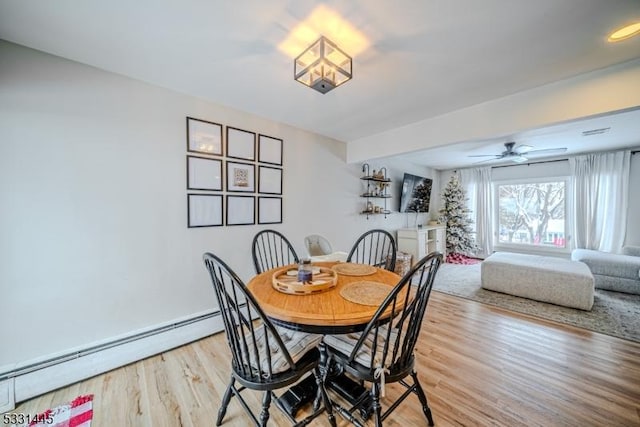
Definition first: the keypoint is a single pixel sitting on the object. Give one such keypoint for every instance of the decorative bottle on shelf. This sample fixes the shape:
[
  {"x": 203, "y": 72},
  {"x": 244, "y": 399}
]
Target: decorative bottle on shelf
[{"x": 305, "y": 271}]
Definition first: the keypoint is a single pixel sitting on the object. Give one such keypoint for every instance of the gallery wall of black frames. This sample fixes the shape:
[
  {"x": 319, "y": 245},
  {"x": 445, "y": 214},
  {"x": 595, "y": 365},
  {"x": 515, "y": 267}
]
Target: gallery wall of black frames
[{"x": 234, "y": 176}]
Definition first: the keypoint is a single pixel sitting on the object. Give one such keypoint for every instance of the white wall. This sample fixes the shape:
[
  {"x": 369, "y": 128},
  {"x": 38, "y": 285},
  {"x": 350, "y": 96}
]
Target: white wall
[
  {"x": 599, "y": 92},
  {"x": 93, "y": 221}
]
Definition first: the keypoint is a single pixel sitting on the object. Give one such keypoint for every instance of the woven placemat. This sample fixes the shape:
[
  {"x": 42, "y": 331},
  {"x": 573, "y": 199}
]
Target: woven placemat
[
  {"x": 352, "y": 269},
  {"x": 366, "y": 292}
]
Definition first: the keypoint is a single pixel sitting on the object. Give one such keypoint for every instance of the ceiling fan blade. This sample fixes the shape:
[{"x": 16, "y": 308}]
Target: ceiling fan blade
[
  {"x": 521, "y": 149},
  {"x": 547, "y": 151},
  {"x": 518, "y": 159},
  {"x": 485, "y": 161},
  {"x": 486, "y": 155}
]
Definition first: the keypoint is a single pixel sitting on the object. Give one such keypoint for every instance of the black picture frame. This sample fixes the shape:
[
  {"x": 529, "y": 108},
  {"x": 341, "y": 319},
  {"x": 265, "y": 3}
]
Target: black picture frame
[
  {"x": 204, "y": 137},
  {"x": 241, "y": 177},
  {"x": 270, "y": 150},
  {"x": 204, "y": 173},
  {"x": 269, "y": 210},
  {"x": 241, "y": 144},
  {"x": 269, "y": 180},
  {"x": 241, "y": 210},
  {"x": 204, "y": 210}
]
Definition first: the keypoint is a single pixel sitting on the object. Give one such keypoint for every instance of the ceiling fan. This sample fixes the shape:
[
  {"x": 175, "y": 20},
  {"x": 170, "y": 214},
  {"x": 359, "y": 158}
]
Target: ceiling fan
[{"x": 519, "y": 154}]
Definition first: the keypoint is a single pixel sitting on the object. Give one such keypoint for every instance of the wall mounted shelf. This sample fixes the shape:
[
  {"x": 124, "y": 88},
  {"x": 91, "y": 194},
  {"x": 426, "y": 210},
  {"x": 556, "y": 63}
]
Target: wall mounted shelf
[{"x": 377, "y": 189}]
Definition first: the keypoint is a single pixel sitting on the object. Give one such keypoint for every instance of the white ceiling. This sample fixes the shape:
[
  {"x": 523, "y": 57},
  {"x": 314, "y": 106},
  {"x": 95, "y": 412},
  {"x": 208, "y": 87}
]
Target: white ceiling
[
  {"x": 422, "y": 58},
  {"x": 621, "y": 130}
]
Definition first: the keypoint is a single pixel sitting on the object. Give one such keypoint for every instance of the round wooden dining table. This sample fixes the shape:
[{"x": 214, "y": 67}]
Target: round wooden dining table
[{"x": 326, "y": 312}]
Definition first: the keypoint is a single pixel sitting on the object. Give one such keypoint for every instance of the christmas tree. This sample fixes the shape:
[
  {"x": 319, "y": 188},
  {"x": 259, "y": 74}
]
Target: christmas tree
[{"x": 455, "y": 215}]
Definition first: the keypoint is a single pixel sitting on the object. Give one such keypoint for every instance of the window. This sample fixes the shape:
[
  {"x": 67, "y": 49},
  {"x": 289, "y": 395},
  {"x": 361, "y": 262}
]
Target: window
[{"x": 532, "y": 213}]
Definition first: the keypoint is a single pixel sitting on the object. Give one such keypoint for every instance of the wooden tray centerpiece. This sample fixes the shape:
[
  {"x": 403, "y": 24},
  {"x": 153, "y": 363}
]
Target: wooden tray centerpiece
[{"x": 286, "y": 281}]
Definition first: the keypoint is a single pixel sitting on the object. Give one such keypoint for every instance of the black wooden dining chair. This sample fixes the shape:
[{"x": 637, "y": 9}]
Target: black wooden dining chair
[
  {"x": 375, "y": 247},
  {"x": 384, "y": 352},
  {"x": 270, "y": 249},
  {"x": 263, "y": 357}
]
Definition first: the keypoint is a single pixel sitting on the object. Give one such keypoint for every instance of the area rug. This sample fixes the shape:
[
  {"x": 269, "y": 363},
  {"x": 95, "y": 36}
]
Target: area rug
[
  {"x": 77, "y": 413},
  {"x": 613, "y": 313},
  {"x": 456, "y": 258}
]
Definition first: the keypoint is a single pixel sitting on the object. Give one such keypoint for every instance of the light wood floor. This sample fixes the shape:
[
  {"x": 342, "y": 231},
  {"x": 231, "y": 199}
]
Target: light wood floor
[{"x": 479, "y": 366}]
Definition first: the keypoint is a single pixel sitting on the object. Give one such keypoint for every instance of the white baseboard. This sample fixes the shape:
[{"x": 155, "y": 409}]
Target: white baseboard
[{"x": 21, "y": 386}]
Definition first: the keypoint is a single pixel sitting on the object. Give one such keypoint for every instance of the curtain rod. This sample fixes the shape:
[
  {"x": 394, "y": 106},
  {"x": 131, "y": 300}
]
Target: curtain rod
[
  {"x": 633, "y": 152},
  {"x": 542, "y": 161},
  {"x": 529, "y": 163}
]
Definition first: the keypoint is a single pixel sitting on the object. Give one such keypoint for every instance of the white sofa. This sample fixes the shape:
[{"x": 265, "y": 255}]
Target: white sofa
[
  {"x": 547, "y": 279},
  {"x": 613, "y": 272}
]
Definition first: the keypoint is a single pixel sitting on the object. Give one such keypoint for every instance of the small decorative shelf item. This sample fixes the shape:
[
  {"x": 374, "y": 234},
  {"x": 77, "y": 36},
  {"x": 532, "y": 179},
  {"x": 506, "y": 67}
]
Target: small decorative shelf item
[
  {"x": 286, "y": 280},
  {"x": 377, "y": 188}
]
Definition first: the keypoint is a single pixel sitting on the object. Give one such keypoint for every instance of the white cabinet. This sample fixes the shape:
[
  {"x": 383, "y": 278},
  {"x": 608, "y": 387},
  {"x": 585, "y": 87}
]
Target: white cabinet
[{"x": 419, "y": 242}]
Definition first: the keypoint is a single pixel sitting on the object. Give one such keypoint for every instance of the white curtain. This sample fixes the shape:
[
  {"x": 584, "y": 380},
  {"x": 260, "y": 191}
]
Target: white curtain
[
  {"x": 600, "y": 189},
  {"x": 477, "y": 184}
]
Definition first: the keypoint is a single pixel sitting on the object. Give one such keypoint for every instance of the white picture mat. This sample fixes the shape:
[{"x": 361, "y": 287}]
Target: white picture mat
[
  {"x": 240, "y": 210},
  {"x": 205, "y": 210},
  {"x": 269, "y": 150},
  {"x": 241, "y": 144},
  {"x": 236, "y": 179},
  {"x": 269, "y": 210},
  {"x": 269, "y": 180},
  {"x": 205, "y": 137},
  {"x": 204, "y": 174}
]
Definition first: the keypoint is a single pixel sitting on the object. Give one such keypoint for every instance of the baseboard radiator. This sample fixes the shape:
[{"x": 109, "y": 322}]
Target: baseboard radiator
[{"x": 35, "y": 379}]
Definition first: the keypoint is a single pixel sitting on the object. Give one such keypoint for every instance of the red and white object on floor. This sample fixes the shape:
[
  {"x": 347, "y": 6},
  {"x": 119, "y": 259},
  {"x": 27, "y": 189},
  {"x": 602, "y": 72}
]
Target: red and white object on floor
[
  {"x": 77, "y": 413},
  {"x": 456, "y": 258}
]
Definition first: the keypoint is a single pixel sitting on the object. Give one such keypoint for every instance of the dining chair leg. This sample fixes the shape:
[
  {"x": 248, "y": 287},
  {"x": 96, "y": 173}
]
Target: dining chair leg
[
  {"x": 266, "y": 402},
  {"x": 422, "y": 397},
  {"x": 377, "y": 409},
  {"x": 225, "y": 401}
]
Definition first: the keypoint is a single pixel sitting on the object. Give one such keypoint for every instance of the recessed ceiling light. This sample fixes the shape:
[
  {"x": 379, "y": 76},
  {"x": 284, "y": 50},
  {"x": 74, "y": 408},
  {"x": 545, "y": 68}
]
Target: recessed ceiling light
[{"x": 625, "y": 32}]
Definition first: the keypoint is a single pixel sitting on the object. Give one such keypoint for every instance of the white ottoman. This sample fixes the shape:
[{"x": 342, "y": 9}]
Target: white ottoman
[{"x": 547, "y": 279}]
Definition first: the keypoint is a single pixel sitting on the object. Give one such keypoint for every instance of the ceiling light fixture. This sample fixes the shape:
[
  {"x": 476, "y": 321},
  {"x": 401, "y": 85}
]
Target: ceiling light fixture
[
  {"x": 323, "y": 66},
  {"x": 625, "y": 32}
]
